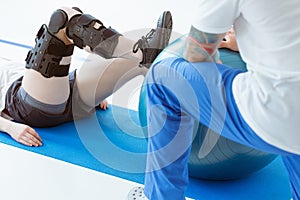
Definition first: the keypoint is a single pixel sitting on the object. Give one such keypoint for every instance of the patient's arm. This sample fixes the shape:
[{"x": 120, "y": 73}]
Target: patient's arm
[
  {"x": 20, "y": 132},
  {"x": 201, "y": 46}
]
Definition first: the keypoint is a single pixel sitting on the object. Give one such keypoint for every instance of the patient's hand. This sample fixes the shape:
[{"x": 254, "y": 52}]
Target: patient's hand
[
  {"x": 24, "y": 134},
  {"x": 229, "y": 41},
  {"x": 103, "y": 105}
]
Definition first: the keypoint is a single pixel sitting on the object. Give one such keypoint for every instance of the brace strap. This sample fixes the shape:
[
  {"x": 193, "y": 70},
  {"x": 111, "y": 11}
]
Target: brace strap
[
  {"x": 101, "y": 40},
  {"x": 45, "y": 57}
]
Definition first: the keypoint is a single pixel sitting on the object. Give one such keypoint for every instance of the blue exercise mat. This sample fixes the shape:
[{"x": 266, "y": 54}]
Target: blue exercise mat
[{"x": 112, "y": 142}]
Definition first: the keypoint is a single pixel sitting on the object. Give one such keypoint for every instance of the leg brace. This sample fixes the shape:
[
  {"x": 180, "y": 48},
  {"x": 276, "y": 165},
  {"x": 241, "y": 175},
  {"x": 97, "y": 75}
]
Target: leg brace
[
  {"x": 48, "y": 52},
  {"x": 87, "y": 31}
]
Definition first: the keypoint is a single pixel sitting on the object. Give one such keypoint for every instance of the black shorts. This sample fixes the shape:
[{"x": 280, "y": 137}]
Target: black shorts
[{"x": 22, "y": 112}]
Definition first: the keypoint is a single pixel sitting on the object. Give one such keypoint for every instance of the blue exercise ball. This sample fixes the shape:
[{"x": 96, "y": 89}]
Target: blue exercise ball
[{"x": 227, "y": 159}]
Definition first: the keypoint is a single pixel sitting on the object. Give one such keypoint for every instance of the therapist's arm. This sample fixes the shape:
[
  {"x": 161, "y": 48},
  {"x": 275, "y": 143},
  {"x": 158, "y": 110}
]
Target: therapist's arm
[{"x": 201, "y": 46}]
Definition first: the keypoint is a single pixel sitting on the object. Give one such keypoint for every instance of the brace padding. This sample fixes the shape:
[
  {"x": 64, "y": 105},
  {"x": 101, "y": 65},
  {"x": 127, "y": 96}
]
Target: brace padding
[
  {"x": 57, "y": 21},
  {"x": 45, "y": 57},
  {"x": 101, "y": 40}
]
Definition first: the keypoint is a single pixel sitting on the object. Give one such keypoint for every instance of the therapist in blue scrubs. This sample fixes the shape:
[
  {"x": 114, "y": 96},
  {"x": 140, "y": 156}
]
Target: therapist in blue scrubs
[{"x": 259, "y": 108}]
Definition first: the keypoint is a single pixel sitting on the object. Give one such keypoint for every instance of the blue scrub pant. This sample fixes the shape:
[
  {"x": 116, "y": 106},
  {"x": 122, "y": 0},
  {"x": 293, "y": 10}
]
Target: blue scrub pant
[{"x": 178, "y": 93}]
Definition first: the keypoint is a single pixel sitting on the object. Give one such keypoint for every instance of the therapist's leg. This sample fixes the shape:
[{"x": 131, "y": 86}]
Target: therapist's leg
[
  {"x": 292, "y": 164},
  {"x": 179, "y": 93},
  {"x": 170, "y": 125}
]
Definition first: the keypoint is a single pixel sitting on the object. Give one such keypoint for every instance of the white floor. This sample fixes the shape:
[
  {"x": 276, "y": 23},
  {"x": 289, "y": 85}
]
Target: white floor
[{"x": 29, "y": 176}]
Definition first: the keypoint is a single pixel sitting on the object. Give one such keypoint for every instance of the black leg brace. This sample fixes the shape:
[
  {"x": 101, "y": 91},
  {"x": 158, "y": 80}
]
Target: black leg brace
[
  {"x": 101, "y": 40},
  {"x": 45, "y": 57},
  {"x": 48, "y": 52}
]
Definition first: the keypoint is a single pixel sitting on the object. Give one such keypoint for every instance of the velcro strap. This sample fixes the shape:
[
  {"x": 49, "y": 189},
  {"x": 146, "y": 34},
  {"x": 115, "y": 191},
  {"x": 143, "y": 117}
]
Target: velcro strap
[
  {"x": 86, "y": 19},
  {"x": 78, "y": 41},
  {"x": 60, "y": 49},
  {"x": 57, "y": 70},
  {"x": 109, "y": 32}
]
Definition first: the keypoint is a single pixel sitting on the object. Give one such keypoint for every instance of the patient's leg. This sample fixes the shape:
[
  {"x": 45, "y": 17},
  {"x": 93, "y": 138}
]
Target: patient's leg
[
  {"x": 98, "y": 78},
  {"x": 47, "y": 64}
]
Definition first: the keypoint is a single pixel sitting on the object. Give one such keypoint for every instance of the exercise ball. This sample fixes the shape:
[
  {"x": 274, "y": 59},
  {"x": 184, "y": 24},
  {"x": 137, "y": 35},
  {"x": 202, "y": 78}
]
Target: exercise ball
[{"x": 227, "y": 159}]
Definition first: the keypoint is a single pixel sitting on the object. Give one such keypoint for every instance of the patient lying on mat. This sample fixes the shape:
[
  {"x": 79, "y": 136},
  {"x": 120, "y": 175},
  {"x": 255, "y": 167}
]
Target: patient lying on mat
[{"x": 45, "y": 93}]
